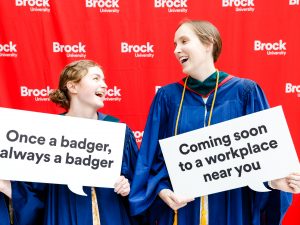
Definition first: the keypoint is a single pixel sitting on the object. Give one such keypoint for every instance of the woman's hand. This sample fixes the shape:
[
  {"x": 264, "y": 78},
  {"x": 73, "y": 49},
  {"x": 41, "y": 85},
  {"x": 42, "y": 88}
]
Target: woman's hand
[
  {"x": 5, "y": 187},
  {"x": 291, "y": 183},
  {"x": 172, "y": 200},
  {"x": 122, "y": 186}
]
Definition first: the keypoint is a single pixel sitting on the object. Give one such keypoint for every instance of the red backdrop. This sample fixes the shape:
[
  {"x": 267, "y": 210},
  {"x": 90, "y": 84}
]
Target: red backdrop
[{"x": 133, "y": 41}]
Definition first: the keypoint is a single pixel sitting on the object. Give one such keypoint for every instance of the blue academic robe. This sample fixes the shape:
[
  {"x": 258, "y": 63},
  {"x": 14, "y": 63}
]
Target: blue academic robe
[
  {"x": 4, "y": 213},
  {"x": 235, "y": 97},
  {"x": 53, "y": 204}
]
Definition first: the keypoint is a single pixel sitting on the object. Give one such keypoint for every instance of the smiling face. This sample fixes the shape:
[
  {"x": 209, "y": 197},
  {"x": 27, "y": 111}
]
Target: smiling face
[
  {"x": 191, "y": 53},
  {"x": 90, "y": 91}
]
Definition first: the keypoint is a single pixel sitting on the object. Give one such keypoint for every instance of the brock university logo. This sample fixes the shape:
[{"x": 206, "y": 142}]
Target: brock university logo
[
  {"x": 71, "y": 51},
  {"x": 105, "y": 6},
  {"x": 138, "y": 135},
  {"x": 271, "y": 48},
  {"x": 173, "y": 6},
  {"x": 38, "y": 94},
  {"x": 145, "y": 50},
  {"x": 8, "y": 50},
  {"x": 35, "y": 5},
  {"x": 292, "y": 89},
  {"x": 113, "y": 94},
  {"x": 239, "y": 5}
]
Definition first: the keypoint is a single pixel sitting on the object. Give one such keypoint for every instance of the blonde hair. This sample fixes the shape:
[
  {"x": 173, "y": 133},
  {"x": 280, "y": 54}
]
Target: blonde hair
[
  {"x": 72, "y": 72},
  {"x": 207, "y": 34}
]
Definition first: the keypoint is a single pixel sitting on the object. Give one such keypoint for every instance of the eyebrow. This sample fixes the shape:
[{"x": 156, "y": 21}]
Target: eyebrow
[{"x": 98, "y": 75}]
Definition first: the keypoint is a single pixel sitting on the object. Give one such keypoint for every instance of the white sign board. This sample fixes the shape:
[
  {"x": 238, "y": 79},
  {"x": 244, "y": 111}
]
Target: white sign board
[
  {"x": 47, "y": 148},
  {"x": 244, "y": 151}
]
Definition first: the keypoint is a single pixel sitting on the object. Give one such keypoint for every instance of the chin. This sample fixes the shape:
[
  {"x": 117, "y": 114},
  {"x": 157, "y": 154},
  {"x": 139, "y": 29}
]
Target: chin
[
  {"x": 100, "y": 105},
  {"x": 185, "y": 71}
]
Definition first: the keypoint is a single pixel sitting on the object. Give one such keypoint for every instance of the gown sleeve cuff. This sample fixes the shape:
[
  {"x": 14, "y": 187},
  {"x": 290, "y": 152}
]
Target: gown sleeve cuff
[
  {"x": 163, "y": 185},
  {"x": 268, "y": 185}
]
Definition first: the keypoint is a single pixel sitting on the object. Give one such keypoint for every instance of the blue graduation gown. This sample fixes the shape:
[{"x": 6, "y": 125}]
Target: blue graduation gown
[
  {"x": 4, "y": 213},
  {"x": 53, "y": 204},
  {"x": 235, "y": 97}
]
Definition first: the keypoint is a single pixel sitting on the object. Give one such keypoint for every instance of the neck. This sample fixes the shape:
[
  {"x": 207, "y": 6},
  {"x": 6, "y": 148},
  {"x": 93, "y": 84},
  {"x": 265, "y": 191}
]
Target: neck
[
  {"x": 88, "y": 114},
  {"x": 204, "y": 72}
]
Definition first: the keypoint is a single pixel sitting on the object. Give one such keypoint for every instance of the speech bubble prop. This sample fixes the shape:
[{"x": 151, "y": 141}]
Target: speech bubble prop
[
  {"x": 47, "y": 148},
  {"x": 77, "y": 189},
  {"x": 248, "y": 150},
  {"x": 258, "y": 187}
]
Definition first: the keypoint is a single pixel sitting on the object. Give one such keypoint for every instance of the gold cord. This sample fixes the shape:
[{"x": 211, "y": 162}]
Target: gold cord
[
  {"x": 214, "y": 99},
  {"x": 95, "y": 208},
  {"x": 203, "y": 211}
]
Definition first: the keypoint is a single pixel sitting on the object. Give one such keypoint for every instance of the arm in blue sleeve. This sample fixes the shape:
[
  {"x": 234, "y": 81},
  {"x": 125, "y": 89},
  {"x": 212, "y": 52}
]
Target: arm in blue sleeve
[
  {"x": 28, "y": 202},
  {"x": 151, "y": 174},
  {"x": 4, "y": 211},
  {"x": 271, "y": 206}
]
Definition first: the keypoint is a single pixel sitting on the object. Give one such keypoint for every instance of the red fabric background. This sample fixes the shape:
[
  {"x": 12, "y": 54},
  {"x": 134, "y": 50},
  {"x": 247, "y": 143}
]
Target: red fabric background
[{"x": 30, "y": 28}]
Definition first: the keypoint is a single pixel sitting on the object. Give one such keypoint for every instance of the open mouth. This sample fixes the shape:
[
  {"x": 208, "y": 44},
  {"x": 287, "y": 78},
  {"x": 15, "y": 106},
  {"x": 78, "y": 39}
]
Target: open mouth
[
  {"x": 183, "y": 59},
  {"x": 100, "y": 94}
]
